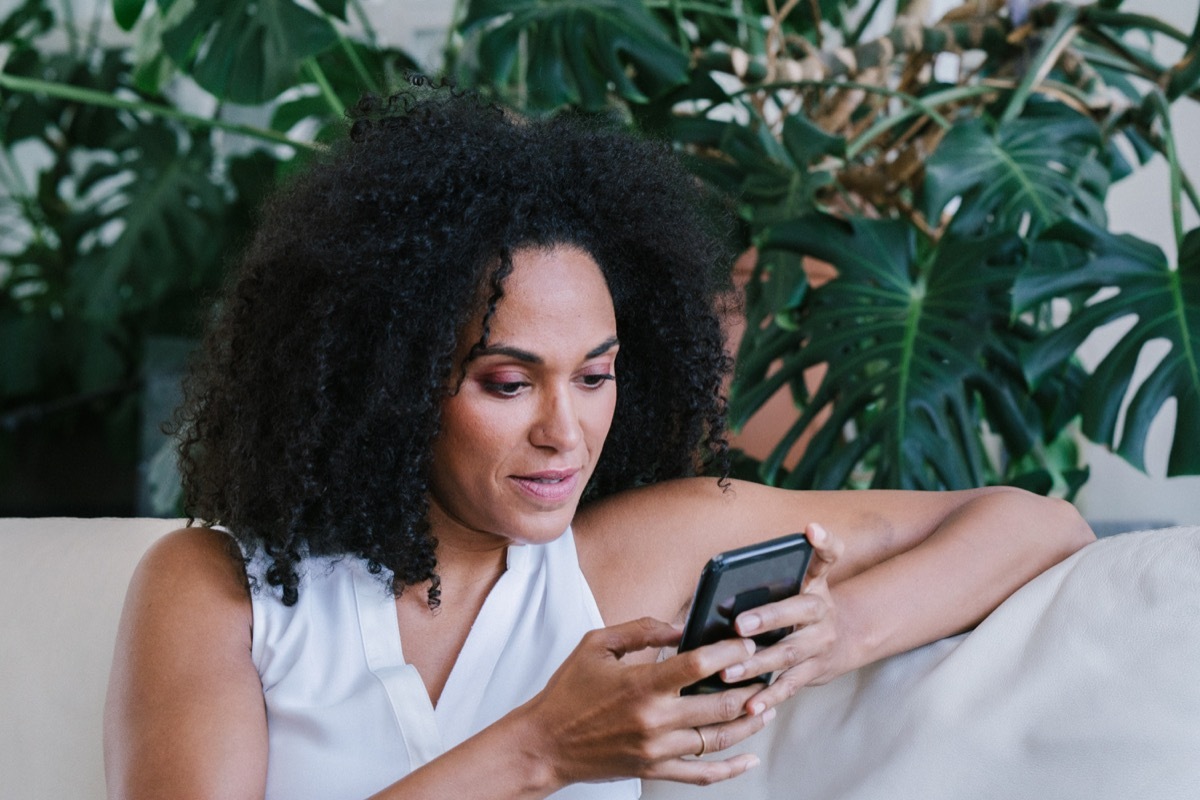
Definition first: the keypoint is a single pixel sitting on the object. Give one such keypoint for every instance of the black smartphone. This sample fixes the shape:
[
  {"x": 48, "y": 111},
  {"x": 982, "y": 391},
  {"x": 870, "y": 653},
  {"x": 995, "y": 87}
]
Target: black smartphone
[{"x": 738, "y": 580}]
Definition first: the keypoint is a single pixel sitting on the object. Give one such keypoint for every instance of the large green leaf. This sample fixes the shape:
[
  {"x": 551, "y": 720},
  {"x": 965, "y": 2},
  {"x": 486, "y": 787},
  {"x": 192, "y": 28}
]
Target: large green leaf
[
  {"x": 246, "y": 51},
  {"x": 167, "y": 214},
  {"x": 1165, "y": 303},
  {"x": 62, "y": 123},
  {"x": 1046, "y": 165},
  {"x": 773, "y": 179},
  {"x": 29, "y": 20},
  {"x": 348, "y": 76},
  {"x": 917, "y": 346},
  {"x": 578, "y": 51}
]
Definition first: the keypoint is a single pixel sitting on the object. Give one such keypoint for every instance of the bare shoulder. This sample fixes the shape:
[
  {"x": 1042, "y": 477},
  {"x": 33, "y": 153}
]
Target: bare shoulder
[
  {"x": 703, "y": 511},
  {"x": 193, "y": 566},
  {"x": 184, "y": 706},
  {"x": 642, "y": 549}
]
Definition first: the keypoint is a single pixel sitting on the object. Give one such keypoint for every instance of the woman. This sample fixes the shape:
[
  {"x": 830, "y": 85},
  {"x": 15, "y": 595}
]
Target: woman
[{"x": 448, "y": 413}]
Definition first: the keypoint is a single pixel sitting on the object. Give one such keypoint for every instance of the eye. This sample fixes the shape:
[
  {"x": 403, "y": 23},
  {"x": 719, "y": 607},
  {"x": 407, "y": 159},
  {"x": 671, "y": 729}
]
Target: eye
[
  {"x": 596, "y": 380},
  {"x": 504, "y": 388}
]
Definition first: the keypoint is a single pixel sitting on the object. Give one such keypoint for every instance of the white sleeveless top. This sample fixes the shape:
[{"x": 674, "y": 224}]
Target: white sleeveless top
[{"x": 346, "y": 716}]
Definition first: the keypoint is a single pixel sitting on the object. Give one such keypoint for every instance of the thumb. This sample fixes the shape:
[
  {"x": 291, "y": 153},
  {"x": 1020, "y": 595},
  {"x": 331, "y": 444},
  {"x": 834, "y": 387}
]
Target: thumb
[{"x": 827, "y": 549}]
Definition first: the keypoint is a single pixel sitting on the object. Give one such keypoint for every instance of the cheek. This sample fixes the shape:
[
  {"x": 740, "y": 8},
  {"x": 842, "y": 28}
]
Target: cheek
[
  {"x": 464, "y": 431},
  {"x": 599, "y": 423}
]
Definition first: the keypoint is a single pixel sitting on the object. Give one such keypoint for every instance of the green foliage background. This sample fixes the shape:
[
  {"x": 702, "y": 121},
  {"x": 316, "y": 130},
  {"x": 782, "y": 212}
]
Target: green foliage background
[{"x": 961, "y": 208}]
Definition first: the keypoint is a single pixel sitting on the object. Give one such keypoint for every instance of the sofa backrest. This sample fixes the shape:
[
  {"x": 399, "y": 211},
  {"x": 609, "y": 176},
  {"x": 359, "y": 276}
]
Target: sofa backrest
[{"x": 60, "y": 601}]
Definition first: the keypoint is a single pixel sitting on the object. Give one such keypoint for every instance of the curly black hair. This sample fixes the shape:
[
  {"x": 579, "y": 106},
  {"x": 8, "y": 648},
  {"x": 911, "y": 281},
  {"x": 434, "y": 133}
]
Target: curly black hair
[{"x": 312, "y": 405}]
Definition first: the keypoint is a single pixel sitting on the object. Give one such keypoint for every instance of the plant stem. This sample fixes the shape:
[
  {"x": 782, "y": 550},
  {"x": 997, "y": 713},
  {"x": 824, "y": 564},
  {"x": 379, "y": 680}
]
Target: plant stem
[
  {"x": 1150, "y": 68},
  {"x": 334, "y": 102},
  {"x": 1190, "y": 190},
  {"x": 364, "y": 20},
  {"x": 1057, "y": 40},
  {"x": 1121, "y": 19},
  {"x": 677, "y": 10},
  {"x": 449, "y": 55},
  {"x": 359, "y": 67},
  {"x": 68, "y": 15},
  {"x": 77, "y": 94},
  {"x": 1121, "y": 62},
  {"x": 705, "y": 8},
  {"x": 923, "y": 105},
  {"x": 16, "y": 184},
  {"x": 1164, "y": 115},
  {"x": 861, "y": 28},
  {"x": 918, "y": 106}
]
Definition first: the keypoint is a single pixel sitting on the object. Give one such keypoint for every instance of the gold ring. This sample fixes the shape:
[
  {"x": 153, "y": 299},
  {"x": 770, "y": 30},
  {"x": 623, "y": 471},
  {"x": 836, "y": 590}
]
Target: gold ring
[{"x": 703, "y": 743}]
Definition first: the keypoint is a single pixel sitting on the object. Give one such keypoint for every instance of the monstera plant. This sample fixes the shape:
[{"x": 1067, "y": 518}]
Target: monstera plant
[
  {"x": 949, "y": 174},
  {"x": 952, "y": 174},
  {"x": 130, "y": 166}
]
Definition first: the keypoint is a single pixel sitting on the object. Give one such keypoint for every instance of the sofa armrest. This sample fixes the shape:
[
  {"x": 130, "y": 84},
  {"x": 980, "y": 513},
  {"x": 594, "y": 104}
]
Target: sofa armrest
[{"x": 1084, "y": 684}]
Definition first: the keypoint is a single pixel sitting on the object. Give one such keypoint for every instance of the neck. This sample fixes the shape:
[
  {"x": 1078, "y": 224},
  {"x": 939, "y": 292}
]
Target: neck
[{"x": 468, "y": 562}]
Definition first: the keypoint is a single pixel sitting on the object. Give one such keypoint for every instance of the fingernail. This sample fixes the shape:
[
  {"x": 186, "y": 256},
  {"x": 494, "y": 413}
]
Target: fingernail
[
  {"x": 734, "y": 672},
  {"x": 750, "y": 646},
  {"x": 768, "y": 715},
  {"x": 753, "y": 761},
  {"x": 757, "y": 708},
  {"x": 748, "y": 623},
  {"x": 818, "y": 533}
]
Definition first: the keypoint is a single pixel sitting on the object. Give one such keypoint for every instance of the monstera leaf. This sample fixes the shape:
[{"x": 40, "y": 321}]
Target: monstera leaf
[
  {"x": 577, "y": 50},
  {"x": 1028, "y": 173},
  {"x": 918, "y": 347},
  {"x": 167, "y": 214},
  {"x": 1165, "y": 303},
  {"x": 246, "y": 51}
]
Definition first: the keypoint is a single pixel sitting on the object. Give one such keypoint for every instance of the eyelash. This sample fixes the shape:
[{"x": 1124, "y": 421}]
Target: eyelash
[
  {"x": 511, "y": 388},
  {"x": 504, "y": 389},
  {"x": 599, "y": 378}
]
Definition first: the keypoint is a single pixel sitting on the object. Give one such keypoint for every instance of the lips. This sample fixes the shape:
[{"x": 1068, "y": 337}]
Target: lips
[{"x": 551, "y": 486}]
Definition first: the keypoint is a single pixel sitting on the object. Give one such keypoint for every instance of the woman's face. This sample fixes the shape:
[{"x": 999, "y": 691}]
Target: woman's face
[{"x": 521, "y": 436}]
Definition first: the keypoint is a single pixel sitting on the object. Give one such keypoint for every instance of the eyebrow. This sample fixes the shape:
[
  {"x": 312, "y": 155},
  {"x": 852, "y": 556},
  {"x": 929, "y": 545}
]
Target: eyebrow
[{"x": 533, "y": 358}]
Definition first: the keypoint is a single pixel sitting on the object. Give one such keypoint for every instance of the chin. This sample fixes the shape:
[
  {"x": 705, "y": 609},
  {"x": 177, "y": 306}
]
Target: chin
[{"x": 541, "y": 528}]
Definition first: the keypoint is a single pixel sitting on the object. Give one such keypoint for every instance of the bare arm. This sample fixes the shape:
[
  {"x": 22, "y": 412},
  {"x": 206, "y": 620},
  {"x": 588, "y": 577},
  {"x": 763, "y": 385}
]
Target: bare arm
[
  {"x": 978, "y": 554},
  {"x": 907, "y": 567},
  {"x": 185, "y": 715}
]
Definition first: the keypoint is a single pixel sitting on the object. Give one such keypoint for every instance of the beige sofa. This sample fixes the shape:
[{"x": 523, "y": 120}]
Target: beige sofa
[{"x": 1085, "y": 684}]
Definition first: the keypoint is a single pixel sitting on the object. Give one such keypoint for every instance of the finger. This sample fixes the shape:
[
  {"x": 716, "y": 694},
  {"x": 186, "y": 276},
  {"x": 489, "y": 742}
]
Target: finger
[
  {"x": 714, "y": 707},
  {"x": 638, "y": 634},
  {"x": 686, "y": 668},
  {"x": 791, "y": 651},
  {"x": 702, "y": 773},
  {"x": 799, "y": 610},
  {"x": 721, "y": 737},
  {"x": 827, "y": 549},
  {"x": 785, "y": 686}
]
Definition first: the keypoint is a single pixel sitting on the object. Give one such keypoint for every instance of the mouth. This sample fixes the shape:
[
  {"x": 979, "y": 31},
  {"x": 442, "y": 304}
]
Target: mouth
[{"x": 548, "y": 485}]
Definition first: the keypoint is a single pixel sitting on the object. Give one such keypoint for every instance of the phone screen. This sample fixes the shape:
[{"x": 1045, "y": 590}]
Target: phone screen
[{"x": 738, "y": 580}]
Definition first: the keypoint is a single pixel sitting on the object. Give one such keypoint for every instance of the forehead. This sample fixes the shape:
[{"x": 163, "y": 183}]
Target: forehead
[{"x": 558, "y": 289}]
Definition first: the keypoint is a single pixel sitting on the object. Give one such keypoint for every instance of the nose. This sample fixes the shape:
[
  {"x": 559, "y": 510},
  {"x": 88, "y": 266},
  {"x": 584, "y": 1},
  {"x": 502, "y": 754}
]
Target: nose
[{"x": 557, "y": 424}]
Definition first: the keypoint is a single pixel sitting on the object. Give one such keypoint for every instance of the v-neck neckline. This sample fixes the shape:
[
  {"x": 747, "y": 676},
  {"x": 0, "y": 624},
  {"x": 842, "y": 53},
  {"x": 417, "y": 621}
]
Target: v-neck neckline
[{"x": 476, "y": 659}]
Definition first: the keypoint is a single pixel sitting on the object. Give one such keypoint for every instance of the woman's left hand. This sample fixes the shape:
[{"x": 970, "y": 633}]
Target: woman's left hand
[{"x": 809, "y": 654}]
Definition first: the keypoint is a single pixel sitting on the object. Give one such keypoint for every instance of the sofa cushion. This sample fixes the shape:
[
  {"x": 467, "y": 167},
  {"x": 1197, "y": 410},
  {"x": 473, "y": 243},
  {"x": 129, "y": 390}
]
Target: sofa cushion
[{"x": 1084, "y": 684}]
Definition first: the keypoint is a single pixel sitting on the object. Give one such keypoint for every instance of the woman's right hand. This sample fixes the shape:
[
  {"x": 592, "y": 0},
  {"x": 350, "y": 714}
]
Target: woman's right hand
[{"x": 602, "y": 718}]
